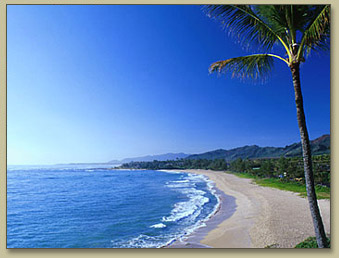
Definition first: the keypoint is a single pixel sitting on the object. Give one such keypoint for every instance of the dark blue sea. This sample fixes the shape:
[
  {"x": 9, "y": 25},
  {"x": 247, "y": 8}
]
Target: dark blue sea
[{"x": 77, "y": 207}]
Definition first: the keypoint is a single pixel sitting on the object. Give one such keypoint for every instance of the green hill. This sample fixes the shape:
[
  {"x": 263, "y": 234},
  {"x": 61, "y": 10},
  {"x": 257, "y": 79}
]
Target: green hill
[{"x": 319, "y": 146}]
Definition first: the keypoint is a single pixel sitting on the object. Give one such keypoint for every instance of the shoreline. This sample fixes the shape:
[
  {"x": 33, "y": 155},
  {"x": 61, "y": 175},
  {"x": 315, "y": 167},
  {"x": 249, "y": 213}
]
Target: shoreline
[
  {"x": 192, "y": 239},
  {"x": 257, "y": 217},
  {"x": 225, "y": 209}
]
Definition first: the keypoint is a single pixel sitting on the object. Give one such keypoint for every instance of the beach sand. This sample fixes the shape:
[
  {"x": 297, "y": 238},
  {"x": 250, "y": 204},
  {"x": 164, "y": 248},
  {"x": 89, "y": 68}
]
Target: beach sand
[{"x": 252, "y": 216}]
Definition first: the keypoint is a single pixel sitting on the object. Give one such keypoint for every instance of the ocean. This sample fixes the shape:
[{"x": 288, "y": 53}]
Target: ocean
[{"x": 86, "y": 207}]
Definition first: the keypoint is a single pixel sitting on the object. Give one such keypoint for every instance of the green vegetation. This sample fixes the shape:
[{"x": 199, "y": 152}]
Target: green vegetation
[
  {"x": 282, "y": 173},
  {"x": 286, "y": 173},
  {"x": 323, "y": 192},
  {"x": 285, "y": 169},
  {"x": 311, "y": 242},
  {"x": 216, "y": 164}
]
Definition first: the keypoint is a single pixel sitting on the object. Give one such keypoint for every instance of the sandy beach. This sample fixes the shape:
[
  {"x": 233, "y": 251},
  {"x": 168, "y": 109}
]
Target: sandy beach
[{"x": 253, "y": 216}]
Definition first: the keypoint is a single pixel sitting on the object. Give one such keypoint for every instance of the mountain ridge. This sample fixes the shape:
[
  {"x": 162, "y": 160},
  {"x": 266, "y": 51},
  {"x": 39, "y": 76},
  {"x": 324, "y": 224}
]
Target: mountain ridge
[
  {"x": 160, "y": 157},
  {"x": 320, "y": 145}
]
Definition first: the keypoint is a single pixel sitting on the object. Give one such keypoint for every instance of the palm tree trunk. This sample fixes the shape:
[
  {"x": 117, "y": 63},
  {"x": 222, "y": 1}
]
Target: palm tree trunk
[{"x": 307, "y": 157}]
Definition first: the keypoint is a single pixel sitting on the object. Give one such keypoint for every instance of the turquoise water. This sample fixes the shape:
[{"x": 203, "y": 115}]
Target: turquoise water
[{"x": 75, "y": 207}]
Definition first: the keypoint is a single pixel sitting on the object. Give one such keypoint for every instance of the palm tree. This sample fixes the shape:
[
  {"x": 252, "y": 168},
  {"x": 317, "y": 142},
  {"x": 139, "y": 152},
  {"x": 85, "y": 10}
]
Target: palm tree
[{"x": 297, "y": 30}]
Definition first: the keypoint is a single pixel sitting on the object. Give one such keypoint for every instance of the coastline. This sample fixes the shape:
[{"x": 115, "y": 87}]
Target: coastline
[{"x": 252, "y": 216}]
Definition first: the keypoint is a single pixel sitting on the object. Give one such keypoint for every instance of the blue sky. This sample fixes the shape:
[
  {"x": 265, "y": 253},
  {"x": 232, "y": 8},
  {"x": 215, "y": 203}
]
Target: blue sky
[{"x": 96, "y": 83}]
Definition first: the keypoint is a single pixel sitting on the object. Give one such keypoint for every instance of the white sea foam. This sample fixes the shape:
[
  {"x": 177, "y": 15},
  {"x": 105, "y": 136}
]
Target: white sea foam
[
  {"x": 189, "y": 210},
  {"x": 183, "y": 210},
  {"x": 159, "y": 225},
  {"x": 174, "y": 184},
  {"x": 181, "y": 181},
  {"x": 145, "y": 241},
  {"x": 170, "y": 171}
]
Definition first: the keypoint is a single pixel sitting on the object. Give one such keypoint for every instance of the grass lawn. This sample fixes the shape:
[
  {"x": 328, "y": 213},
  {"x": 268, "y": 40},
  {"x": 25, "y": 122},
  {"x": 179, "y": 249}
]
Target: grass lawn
[{"x": 322, "y": 191}]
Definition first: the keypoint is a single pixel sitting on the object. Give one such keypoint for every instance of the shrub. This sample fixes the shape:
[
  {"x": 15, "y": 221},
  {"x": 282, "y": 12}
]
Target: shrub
[{"x": 311, "y": 242}]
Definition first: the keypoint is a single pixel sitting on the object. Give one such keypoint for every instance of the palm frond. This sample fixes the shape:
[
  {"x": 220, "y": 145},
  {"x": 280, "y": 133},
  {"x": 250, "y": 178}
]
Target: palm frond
[
  {"x": 274, "y": 16},
  {"x": 242, "y": 22},
  {"x": 254, "y": 67},
  {"x": 285, "y": 20},
  {"x": 316, "y": 35}
]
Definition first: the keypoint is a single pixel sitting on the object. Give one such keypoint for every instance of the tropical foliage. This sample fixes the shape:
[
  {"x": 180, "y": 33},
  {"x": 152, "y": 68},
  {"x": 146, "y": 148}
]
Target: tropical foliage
[
  {"x": 286, "y": 169},
  {"x": 298, "y": 29}
]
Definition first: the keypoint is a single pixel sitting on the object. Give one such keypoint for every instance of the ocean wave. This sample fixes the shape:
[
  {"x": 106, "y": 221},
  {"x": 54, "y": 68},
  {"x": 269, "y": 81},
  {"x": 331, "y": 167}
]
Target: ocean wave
[
  {"x": 159, "y": 225},
  {"x": 144, "y": 241},
  {"x": 173, "y": 184},
  {"x": 189, "y": 213},
  {"x": 181, "y": 181},
  {"x": 191, "y": 208},
  {"x": 183, "y": 210}
]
